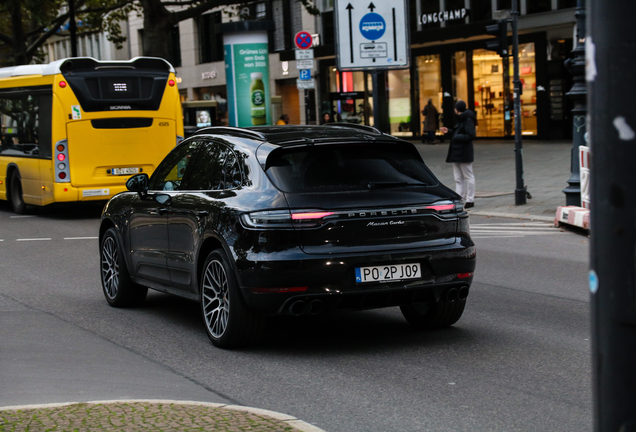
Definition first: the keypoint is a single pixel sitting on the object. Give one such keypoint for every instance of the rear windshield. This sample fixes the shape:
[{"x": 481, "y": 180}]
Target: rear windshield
[{"x": 347, "y": 167}]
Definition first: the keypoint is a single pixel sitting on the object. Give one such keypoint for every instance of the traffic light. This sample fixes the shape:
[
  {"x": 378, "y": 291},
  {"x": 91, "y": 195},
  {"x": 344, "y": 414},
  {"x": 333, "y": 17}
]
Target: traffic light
[{"x": 500, "y": 44}]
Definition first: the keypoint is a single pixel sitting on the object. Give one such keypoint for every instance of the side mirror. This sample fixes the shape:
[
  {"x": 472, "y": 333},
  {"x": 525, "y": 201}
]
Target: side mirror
[{"x": 138, "y": 183}]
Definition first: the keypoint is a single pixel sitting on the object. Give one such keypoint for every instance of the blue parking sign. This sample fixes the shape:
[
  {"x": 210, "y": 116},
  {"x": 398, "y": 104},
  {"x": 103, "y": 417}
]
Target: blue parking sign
[{"x": 305, "y": 74}]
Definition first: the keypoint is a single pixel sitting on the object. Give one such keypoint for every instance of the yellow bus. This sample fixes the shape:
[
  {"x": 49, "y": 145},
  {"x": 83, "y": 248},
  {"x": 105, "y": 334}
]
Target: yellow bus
[{"x": 76, "y": 129}]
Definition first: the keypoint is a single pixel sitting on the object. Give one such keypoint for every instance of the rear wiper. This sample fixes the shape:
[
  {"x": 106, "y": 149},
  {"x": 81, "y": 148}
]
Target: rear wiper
[{"x": 381, "y": 185}]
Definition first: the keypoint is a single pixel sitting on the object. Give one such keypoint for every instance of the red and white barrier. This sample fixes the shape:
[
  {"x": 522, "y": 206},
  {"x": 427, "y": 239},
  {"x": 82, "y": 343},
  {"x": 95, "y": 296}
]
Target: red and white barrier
[
  {"x": 584, "y": 165},
  {"x": 573, "y": 215}
]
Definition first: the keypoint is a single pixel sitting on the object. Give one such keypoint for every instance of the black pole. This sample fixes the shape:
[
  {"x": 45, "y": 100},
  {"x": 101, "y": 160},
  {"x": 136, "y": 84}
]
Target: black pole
[
  {"x": 72, "y": 27},
  {"x": 520, "y": 191},
  {"x": 611, "y": 86},
  {"x": 578, "y": 94}
]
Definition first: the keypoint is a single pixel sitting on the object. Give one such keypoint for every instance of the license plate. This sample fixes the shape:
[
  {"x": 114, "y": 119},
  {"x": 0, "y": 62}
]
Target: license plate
[
  {"x": 388, "y": 273},
  {"x": 125, "y": 171}
]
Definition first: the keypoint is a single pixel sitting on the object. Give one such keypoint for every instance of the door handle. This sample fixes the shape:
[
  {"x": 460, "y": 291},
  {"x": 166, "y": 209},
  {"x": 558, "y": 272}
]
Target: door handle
[{"x": 163, "y": 211}]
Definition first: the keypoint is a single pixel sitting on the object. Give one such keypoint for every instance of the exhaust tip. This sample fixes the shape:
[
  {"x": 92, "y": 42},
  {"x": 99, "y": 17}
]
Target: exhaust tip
[
  {"x": 315, "y": 307},
  {"x": 452, "y": 294},
  {"x": 298, "y": 307},
  {"x": 463, "y": 293}
]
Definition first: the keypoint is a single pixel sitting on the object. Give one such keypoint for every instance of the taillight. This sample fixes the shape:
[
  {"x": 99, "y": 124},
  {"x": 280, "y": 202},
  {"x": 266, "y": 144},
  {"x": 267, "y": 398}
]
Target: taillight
[
  {"x": 62, "y": 172},
  {"x": 285, "y": 219},
  {"x": 441, "y": 208},
  {"x": 464, "y": 275}
]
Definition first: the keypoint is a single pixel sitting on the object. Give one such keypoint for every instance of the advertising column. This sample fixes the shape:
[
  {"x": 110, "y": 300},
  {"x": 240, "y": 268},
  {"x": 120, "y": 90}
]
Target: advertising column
[{"x": 247, "y": 71}]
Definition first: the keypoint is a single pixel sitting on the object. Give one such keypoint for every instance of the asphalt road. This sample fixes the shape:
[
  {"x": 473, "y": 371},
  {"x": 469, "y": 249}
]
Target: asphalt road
[{"x": 518, "y": 360}]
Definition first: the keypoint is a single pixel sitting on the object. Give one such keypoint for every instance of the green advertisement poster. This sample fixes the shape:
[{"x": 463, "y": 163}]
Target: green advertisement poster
[{"x": 247, "y": 69}]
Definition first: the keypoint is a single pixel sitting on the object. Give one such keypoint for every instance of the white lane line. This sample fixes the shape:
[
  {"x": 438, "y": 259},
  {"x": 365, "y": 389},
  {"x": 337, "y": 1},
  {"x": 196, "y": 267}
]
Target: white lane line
[
  {"x": 530, "y": 233},
  {"x": 22, "y": 216},
  {"x": 504, "y": 228},
  {"x": 514, "y": 224},
  {"x": 33, "y": 239},
  {"x": 81, "y": 238}
]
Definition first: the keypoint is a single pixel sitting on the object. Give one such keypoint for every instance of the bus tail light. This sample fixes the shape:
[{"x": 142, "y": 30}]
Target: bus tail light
[
  {"x": 179, "y": 139},
  {"x": 62, "y": 171}
]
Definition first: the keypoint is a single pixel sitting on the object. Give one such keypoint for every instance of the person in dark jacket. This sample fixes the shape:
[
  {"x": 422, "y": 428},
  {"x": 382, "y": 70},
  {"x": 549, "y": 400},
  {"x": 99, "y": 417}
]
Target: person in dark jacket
[
  {"x": 430, "y": 122},
  {"x": 461, "y": 153}
]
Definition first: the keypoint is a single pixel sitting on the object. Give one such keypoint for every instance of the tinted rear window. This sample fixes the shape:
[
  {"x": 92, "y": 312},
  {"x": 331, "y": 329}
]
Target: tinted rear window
[{"x": 347, "y": 167}]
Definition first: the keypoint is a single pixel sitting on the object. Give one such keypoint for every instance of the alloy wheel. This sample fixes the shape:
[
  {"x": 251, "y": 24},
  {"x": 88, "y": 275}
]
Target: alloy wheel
[
  {"x": 216, "y": 299},
  {"x": 110, "y": 267}
]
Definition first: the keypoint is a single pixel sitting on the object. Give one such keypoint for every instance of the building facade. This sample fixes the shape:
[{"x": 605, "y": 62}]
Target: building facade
[{"x": 448, "y": 62}]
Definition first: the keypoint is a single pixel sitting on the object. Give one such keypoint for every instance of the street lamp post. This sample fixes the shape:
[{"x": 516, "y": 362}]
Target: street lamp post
[{"x": 578, "y": 94}]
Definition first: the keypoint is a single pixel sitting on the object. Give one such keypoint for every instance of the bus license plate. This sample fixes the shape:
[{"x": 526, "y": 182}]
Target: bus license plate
[
  {"x": 388, "y": 273},
  {"x": 125, "y": 171}
]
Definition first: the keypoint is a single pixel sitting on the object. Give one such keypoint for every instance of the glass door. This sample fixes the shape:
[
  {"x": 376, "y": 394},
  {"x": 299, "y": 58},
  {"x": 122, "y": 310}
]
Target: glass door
[{"x": 430, "y": 80}]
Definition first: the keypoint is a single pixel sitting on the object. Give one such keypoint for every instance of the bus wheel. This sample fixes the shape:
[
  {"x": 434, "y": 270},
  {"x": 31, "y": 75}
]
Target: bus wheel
[{"x": 17, "y": 201}]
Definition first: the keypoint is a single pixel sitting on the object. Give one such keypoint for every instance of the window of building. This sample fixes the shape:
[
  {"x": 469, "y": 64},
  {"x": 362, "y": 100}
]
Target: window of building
[
  {"x": 536, "y": 6},
  {"x": 454, "y": 5},
  {"x": 175, "y": 54},
  {"x": 210, "y": 42},
  {"x": 565, "y": 4},
  {"x": 507, "y": 4},
  {"x": 480, "y": 10},
  {"x": 328, "y": 28}
]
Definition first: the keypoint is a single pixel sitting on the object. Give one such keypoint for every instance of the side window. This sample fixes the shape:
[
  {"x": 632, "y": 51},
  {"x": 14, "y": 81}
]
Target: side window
[
  {"x": 171, "y": 172},
  {"x": 217, "y": 168},
  {"x": 26, "y": 123}
]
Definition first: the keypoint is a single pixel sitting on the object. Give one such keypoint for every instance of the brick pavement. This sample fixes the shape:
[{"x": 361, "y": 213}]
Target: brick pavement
[{"x": 137, "y": 416}]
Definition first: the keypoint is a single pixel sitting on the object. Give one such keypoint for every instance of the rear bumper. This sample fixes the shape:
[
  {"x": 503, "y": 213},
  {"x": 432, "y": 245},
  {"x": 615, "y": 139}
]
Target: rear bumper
[
  {"x": 65, "y": 192},
  {"x": 331, "y": 279}
]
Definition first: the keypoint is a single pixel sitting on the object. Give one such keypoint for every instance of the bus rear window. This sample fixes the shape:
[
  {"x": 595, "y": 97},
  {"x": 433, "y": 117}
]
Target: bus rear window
[
  {"x": 347, "y": 167},
  {"x": 117, "y": 87}
]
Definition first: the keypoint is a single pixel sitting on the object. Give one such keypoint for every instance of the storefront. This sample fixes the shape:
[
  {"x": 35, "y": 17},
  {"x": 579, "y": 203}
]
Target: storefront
[{"x": 445, "y": 72}]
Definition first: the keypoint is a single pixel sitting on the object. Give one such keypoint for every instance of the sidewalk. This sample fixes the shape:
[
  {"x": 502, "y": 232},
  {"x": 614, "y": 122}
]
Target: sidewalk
[{"x": 546, "y": 167}]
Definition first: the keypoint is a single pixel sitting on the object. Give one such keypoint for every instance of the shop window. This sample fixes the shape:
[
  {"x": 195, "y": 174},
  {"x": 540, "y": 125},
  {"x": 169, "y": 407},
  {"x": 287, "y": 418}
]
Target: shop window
[
  {"x": 536, "y": 6},
  {"x": 210, "y": 42},
  {"x": 565, "y": 4},
  {"x": 430, "y": 82},
  {"x": 460, "y": 76},
  {"x": 400, "y": 102},
  {"x": 480, "y": 10},
  {"x": 493, "y": 99}
]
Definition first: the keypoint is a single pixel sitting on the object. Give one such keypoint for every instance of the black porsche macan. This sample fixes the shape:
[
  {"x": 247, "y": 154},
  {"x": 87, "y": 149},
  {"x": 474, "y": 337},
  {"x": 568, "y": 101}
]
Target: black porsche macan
[{"x": 289, "y": 220}]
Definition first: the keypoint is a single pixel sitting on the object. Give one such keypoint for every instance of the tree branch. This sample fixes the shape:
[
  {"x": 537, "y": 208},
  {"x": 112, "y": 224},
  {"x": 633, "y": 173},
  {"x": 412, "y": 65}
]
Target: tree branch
[{"x": 197, "y": 10}]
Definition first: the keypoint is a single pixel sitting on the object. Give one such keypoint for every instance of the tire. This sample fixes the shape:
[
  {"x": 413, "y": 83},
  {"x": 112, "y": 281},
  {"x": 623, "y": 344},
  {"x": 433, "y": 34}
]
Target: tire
[
  {"x": 228, "y": 321},
  {"x": 17, "y": 200},
  {"x": 118, "y": 288},
  {"x": 433, "y": 315}
]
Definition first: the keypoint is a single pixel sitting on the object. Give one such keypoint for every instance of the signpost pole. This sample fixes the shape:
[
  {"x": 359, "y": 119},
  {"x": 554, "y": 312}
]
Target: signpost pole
[{"x": 520, "y": 191}]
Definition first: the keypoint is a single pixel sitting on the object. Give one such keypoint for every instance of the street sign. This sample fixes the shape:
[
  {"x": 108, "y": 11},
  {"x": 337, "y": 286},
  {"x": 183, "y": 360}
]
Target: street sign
[
  {"x": 304, "y": 64},
  {"x": 306, "y": 84},
  {"x": 370, "y": 37},
  {"x": 305, "y": 74},
  {"x": 304, "y": 54},
  {"x": 303, "y": 40}
]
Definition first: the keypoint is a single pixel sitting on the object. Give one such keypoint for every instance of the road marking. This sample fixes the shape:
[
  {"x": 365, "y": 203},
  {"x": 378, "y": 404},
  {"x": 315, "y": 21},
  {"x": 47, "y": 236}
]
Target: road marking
[
  {"x": 22, "y": 216},
  {"x": 33, "y": 239},
  {"x": 81, "y": 238},
  {"x": 513, "y": 229}
]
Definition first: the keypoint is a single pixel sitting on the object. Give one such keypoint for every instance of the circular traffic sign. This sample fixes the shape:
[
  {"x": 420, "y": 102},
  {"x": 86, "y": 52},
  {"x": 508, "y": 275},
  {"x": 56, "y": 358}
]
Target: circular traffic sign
[
  {"x": 303, "y": 40},
  {"x": 372, "y": 26}
]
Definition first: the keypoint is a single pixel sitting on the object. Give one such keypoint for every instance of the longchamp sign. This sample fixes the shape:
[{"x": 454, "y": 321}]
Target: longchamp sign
[{"x": 428, "y": 18}]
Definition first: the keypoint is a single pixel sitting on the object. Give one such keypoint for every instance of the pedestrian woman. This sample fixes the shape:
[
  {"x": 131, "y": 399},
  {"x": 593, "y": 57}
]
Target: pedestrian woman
[
  {"x": 461, "y": 153},
  {"x": 326, "y": 118},
  {"x": 430, "y": 122}
]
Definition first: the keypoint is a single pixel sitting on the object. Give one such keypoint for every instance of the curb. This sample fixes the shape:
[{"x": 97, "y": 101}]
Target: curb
[{"x": 290, "y": 420}]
